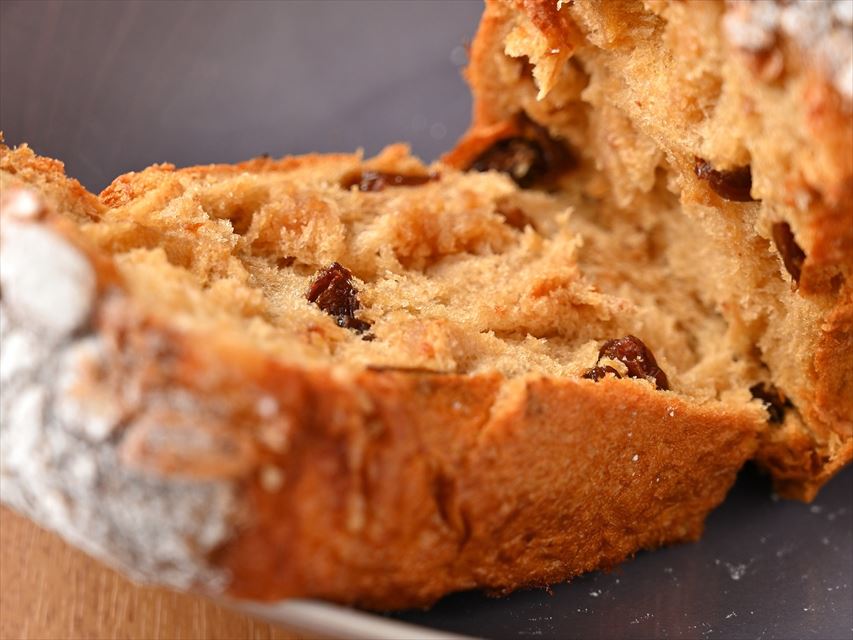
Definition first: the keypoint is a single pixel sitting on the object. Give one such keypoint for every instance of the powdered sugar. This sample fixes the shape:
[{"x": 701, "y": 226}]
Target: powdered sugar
[
  {"x": 823, "y": 31},
  {"x": 48, "y": 283},
  {"x": 59, "y": 462}
]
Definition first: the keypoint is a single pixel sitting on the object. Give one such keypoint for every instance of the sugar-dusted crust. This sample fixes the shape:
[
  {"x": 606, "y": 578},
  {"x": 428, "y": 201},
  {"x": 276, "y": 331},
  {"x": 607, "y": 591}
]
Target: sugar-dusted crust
[
  {"x": 196, "y": 460},
  {"x": 823, "y": 33},
  {"x": 73, "y": 371},
  {"x": 640, "y": 91}
]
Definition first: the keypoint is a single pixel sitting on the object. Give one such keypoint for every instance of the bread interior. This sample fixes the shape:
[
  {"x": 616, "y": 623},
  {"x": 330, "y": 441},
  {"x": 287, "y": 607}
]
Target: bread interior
[
  {"x": 464, "y": 273},
  {"x": 653, "y": 93}
]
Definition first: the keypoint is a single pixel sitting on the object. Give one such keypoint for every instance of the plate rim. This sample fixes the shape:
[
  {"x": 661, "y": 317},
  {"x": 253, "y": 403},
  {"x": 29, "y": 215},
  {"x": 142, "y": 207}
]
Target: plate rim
[{"x": 314, "y": 616}]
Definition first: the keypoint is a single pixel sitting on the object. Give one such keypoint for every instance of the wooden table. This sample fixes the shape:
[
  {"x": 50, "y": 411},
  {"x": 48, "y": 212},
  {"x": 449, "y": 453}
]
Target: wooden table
[{"x": 49, "y": 590}]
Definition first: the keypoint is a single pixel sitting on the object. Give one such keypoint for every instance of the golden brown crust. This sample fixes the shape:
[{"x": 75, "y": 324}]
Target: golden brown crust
[
  {"x": 482, "y": 74},
  {"x": 389, "y": 511},
  {"x": 835, "y": 396},
  {"x": 49, "y": 175},
  {"x": 135, "y": 184}
]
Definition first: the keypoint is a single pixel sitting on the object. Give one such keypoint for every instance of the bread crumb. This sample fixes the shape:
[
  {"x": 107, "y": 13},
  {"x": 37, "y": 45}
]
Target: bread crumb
[
  {"x": 646, "y": 616},
  {"x": 736, "y": 571}
]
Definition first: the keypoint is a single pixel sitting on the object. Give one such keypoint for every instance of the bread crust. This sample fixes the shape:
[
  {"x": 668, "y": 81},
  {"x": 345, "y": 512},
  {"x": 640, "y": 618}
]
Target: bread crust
[
  {"x": 806, "y": 93},
  {"x": 197, "y": 461},
  {"x": 607, "y": 470}
]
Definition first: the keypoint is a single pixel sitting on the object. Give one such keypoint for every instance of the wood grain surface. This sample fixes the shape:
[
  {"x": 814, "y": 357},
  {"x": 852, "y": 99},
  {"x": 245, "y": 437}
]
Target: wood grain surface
[{"x": 51, "y": 591}]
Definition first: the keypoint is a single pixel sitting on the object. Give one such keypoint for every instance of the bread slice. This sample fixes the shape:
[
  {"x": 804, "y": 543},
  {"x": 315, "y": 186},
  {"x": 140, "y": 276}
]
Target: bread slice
[
  {"x": 368, "y": 381},
  {"x": 736, "y": 116}
]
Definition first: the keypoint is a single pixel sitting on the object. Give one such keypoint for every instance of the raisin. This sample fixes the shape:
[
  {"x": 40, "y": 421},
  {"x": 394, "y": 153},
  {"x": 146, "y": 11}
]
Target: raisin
[
  {"x": 378, "y": 180},
  {"x": 526, "y": 67},
  {"x": 635, "y": 355},
  {"x": 774, "y": 401},
  {"x": 531, "y": 158},
  {"x": 514, "y": 217},
  {"x": 523, "y": 160},
  {"x": 792, "y": 255},
  {"x": 335, "y": 294},
  {"x": 597, "y": 373},
  {"x": 734, "y": 185}
]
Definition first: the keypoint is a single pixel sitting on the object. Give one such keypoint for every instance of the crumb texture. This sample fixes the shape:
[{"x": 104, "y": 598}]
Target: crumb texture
[
  {"x": 737, "y": 113},
  {"x": 434, "y": 270}
]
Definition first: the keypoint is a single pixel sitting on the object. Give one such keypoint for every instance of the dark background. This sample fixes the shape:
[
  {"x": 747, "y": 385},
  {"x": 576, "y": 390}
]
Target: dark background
[
  {"x": 114, "y": 86},
  {"x": 110, "y": 87}
]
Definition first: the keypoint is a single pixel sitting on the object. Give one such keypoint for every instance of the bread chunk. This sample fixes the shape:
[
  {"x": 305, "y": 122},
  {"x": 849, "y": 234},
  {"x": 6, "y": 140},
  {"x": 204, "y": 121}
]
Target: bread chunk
[
  {"x": 741, "y": 113},
  {"x": 357, "y": 380}
]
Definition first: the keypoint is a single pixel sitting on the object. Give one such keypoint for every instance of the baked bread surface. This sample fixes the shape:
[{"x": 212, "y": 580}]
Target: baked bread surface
[
  {"x": 743, "y": 111},
  {"x": 175, "y": 402}
]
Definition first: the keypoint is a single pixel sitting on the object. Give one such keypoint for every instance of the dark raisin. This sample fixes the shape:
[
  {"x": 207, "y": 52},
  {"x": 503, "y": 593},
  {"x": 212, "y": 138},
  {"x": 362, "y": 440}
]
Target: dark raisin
[
  {"x": 531, "y": 158},
  {"x": 634, "y": 354},
  {"x": 526, "y": 67},
  {"x": 335, "y": 294},
  {"x": 522, "y": 159},
  {"x": 597, "y": 373},
  {"x": 774, "y": 401},
  {"x": 378, "y": 180},
  {"x": 792, "y": 255},
  {"x": 514, "y": 217},
  {"x": 734, "y": 185}
]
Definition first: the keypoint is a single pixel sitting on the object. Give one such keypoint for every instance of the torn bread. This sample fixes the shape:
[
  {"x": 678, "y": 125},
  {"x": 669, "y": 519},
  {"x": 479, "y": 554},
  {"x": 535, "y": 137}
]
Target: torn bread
[
  {"x": 371, "y": 382},
  {"x": 734, "y": 115}
]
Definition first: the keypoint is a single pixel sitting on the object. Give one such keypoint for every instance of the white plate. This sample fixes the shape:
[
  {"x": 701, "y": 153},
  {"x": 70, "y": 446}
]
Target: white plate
[{"x": 328, "y": 620}]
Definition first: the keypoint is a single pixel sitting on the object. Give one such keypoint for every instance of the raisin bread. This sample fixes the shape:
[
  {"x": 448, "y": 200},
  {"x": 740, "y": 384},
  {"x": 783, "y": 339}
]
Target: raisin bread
[
  {"x": 734, "y": 115},
  {"x": 368, "y": 381}
]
